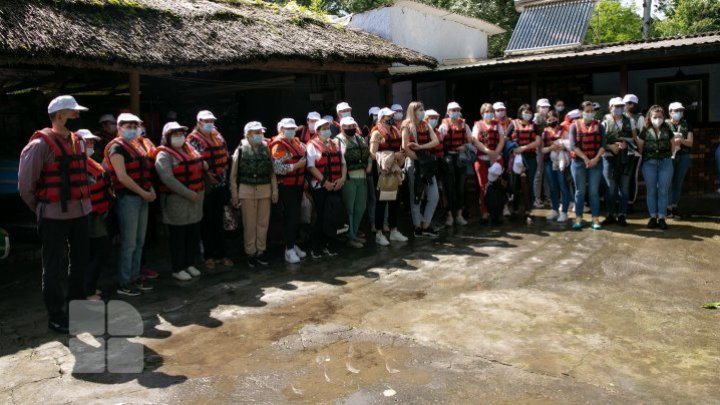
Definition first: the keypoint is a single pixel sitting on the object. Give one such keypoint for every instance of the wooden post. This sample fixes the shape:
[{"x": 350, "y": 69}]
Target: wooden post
[
  {"x": 623, "y": 79},
  {"x": 135, "y": 92},
  {"x": 533, "y": 88}
]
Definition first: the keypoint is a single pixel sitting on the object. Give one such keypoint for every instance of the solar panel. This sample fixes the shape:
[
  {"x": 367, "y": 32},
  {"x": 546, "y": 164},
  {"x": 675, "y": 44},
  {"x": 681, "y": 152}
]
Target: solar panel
[{"x": 553, "y": 25}]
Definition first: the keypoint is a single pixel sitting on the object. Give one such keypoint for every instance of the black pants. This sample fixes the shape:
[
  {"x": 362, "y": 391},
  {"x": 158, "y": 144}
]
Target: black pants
[
  {"x": 98, "y": 257},
  {"x": 184, "y": 245},
  {"x": 392, "y": 207},
  {"x": 213, "y": 234},
  {"x": 290, "y": 199},
  {"x": 319, "y": 238},
  {"x": 57, "y": 236},
  {"x": 454, "y": 182}
]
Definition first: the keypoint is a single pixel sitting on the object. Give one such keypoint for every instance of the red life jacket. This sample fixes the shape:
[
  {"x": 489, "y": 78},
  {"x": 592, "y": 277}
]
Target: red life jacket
[
  {"x": 550, "y": 135},
  {"x": 100, "y": 189},
  {"x": 423, "y": 137},
  {"x": 139, "y": 167},
  {"x": 215, "y": 153},
  {"x": 188, "y": 171},
  {"x": 489, "y": 135},
  {"x": 297, "y": 152},
  {"x": 455, "y": 136},
  {"x": 588, "y": 140},
  {"x": 330, "y": 162},
  {"x": 65, "y": 178},
  {"x": 306, "y": 135},
  {"x": 523, "y": 134},
  {"x": 391, "y": 141}
]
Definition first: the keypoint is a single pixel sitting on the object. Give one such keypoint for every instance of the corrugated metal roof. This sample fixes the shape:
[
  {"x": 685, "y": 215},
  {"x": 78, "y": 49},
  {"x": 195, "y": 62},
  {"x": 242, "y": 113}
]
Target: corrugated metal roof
[{"x": 552, "y": 25}]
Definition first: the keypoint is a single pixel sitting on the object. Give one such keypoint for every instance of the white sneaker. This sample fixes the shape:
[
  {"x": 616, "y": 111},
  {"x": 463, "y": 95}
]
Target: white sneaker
[
  {"x": 181, "y": 275},
  {"x": 460, "y": 220},
  {"x": 449, "y": 221},
  {"x": 381, "y": 240},
  {"x": 538, "y": 204},
  {"x": 396, "y": 236},
  {"x": 571, "y": 207},
  {"x": 506, "y": 211},
  {"x": 299, "y": 252},
  {"x": 552, "y": 215},
  {"x": 562, "y": 217},
  {"x": 193, "y": 271},
  {"x": 291, "y": 257}
]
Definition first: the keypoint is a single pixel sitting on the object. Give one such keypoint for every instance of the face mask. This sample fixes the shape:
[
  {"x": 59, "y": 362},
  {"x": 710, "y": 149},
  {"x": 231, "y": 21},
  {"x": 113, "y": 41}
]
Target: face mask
[
  {"x": 500, "y": 114},
  {"x": 129, "y": 134},
  {"x": 552, "y": 124},
  {"x": 617, "y": 111},
  {"x": 559, "y": 108},
  {"x": 433, "y": 123},
  {"x": 527, "y": 116},
  {"x": 257, "y": 138},
  {"x": 90, "y": 151},
  {"x": 677, "y": 116},
  {"x": 454, "y": 115},
  {"x": 488, "y": 116},
  {"x": 345, "y": 114},
  {"x": 397, "y": 116},
  {"x": 208, "y": 127},
  {"x": 657, "y": 122},
  {"x": 588, "y": 116},
  {"x": 325, "y": 133},
  {"x": 420, "y": 115},
  {"x": 544, "y": 110},
  {"x": 177, "y": 141},
  {"x": 289, "y": 133},
  {"x": 350, "y": 131}
]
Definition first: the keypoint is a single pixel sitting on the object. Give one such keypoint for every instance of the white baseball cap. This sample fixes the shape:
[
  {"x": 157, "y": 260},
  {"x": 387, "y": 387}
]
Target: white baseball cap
[
  {"x": 453, "y": 105},
  {"x": 495, "y": 171},
  {"x": 574, "y": 114},
  {"x": 329, "y": 118},
  {"x": 499, "y": 106},
  {"x": 373, "y": 110},
  {"x": 253, "y": 126},
  {"x": 343, "y": 106},
  {"x": 676, "y": 106},
  {"x": 396, "y": 107},
  {"x": 64, "y": 103},
  {"x": 321, "y": 122},
  {"x": 86, "y": 134},
  {"x": 127, "y": 117},
  {"x": 172, "y": 126},
  {"x": 431, "y": 113},
  {"x": 313, "y": 115},
  {"x": 543, "y": 102},
  {"x": 615, "y": 101},
  {"x": 205, "y": 115},
  {"x": 287, "y": 123},
  {"x": 630, "y": 98},
  {"x": 385, "y": 112},
  {"x": 107, "y": 118},
  {"x": 347, "y": 121}
]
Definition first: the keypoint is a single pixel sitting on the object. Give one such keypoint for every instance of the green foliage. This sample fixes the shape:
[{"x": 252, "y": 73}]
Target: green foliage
[
  {"x": 613, "y": 22},
  {"x": 688, "y": 17}
]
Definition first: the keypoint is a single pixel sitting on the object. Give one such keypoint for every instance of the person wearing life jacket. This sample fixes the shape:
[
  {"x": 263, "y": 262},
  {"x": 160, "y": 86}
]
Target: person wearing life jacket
[
  {"x": 358, "y": 163},
  {"x": 131, "y": 172},
  {"x": 289, "y": 161},
  {"x": 386, "y": 138},
  {"x": 540, "y": 185},
  {"x": 327, "y": 175},
  {"x": 524, "y": 134},
  {"x": 486, "y": 137},
  {"x": 343, "y": 110},
  {"x": 504, "y": 126},
  {"x": 587, "y": 145},
  {"x": 106, "y": 133},
  {"x": 370, "y": 179},
  {"x": 560, "y": 109},
  {"x": 253, "y": 187},
  {"x": 419, "y": 141},
  {"x": 181, "y": 193},
  {"x": 633, "y": 111},
  {"x": 397, "y": 117},
  {"x": 371, "y": 122},
  {"x": 454, "y": 133},
  {"x": 307, "y": 132},
  {"x": 619, "y": 129},
  {"x": 211, "y": 145},
  {"x": 683, "y": 141},
  {"x": 553, "y": 139},
  {"x": 432, "y": 118},
  {"x": 101, "y": 198},
  {"x": 655, "y": 143},
  {"x": 53, "y": 183}
]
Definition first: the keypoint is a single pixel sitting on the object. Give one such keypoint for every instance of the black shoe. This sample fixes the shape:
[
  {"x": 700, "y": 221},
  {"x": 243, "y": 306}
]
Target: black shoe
[
  {"x": 316, "y": 254},
  {"x": 59, "y": 325},
  {"x": 670, "y": 213},
  {"x": 676, "y": 214},
  {"x": 129, "y": 290},
  {"x": 143, "y": 286},
  {"x": 418, "y": 233},
  {"x": 621, "y": 220},
  {"x": 252, "y": 261},
  {"x": 328, "y": 252},
  {"x": 262, "y": 259},
  {"x": 430, "y": 232},
  {"x": 609, "y": 220},
  {"x": 662, "y": 224},
  {"x": 653, "y": 223}
]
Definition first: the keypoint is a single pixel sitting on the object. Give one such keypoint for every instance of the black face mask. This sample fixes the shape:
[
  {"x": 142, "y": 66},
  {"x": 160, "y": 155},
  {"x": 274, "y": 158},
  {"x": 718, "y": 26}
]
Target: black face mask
[
  {"x": 552, "y": 124},
  {"x": 350, "y": 131}
]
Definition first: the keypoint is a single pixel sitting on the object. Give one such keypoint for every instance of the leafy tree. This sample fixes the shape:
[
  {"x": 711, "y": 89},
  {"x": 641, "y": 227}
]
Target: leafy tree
[
  {"x": 688, "y": 17},
  {"x": 613, "y": 22}
]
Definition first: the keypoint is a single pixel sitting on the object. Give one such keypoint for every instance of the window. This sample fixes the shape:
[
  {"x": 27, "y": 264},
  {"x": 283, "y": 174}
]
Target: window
[{"x": 691, "y": 91}]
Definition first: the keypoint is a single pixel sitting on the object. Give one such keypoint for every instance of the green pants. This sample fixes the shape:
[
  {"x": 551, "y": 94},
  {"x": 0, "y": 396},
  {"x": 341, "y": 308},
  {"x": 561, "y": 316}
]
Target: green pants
[{"x": 354, "y": 194}]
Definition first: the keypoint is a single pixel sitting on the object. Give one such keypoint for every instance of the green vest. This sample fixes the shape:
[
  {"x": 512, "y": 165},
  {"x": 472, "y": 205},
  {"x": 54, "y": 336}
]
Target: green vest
[
  {"x": 683, "y": 128},
  {"x": 357, "y": 153},
  {"x": 657, "y": 146},
  {"x": 613, "y": 131},
  {"x": 254, "y": 168}
]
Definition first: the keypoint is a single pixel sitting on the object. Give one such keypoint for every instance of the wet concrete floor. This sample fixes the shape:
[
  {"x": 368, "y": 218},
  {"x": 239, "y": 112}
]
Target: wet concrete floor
[{"x": 518, "y": 314}]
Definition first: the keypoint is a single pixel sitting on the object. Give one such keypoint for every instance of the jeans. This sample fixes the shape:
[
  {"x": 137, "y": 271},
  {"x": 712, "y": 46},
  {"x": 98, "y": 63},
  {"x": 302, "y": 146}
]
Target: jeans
[
  {"x": 454, "y": 183},
  {"x": 558, "y": 187},
  {"x": 184, "y": 245},
  {"x": 290, "y": 199},
  {"x": 617, "y": 191},
  {"x": 681, "y": 163},
  {"x": 354, "y": 194},
  {"x": 132, "y": 213},
  {"x": 658, "y": 174},
  {"x": 431, "y": 194},
  {"x": 582, "y": 176}
]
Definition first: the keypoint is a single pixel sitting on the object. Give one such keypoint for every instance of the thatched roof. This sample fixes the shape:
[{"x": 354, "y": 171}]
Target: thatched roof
[{"x": 186, "y": 35}]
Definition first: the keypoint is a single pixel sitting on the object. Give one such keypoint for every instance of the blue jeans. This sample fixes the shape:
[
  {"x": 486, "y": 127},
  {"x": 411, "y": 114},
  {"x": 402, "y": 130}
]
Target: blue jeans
[
  {"x": 132, "y": 213},
  {"x": 531, "y": 167},
  {"x": 617, "y": 191},
  {"x": 432, "y": 194},
  {"x": 582, "y": 176},
  {"x": 558, "y": 187},
  {"x": 681, "y": 163},
  {"x": 658, "y": 174}
]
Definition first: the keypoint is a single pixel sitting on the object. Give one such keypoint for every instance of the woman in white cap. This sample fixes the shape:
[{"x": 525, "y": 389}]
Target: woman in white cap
[
  {"x": 682, "y": 143},
  {"x": 632, "y": 111},
  {"x": 289, "y": 161},
  {"x": 555, "y": 161},
  {"x": 307, "y": 132},
  {"x": 211, "y": 145},
  {"x": 359, "y": 164},
  {"x": 617, "y": 168},
  {"x": 526, "y": 138},
  {"x": 454, "y": 133},
  {"x": 397, "y": 115},
  {"x": 419, "y": 141},
  {"x": 182, "y": 189},
  {"x": 343, "y": 110},
  {"x": 326, "y": 165},
  {"x": 253, "y": 187},
  {"x": 486, "y": 134},
  {"x": 655, "y": 143}
]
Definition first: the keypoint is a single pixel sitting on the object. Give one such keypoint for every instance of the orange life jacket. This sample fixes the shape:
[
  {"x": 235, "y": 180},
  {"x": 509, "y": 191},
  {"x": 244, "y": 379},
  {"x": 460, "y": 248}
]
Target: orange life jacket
[
  {"x": 188, "y": 171},
  {"x": 330, "y": 162},
  {"x": 100, "y": 188},
  {"x": 589, "y": 139},
  {"x": 139, "y": 167},
  {"x": 423, "y": 137},
  {"x": 215, "y": 153},
  {"x": 523, "y": 134},
  {"x": 297, "y": 152},
  {"x": 550, "y": 135},
  {"x": 391, "y": 140},
  {"x": 489, "y": 134},
  {"x": 456, "y": 135}
]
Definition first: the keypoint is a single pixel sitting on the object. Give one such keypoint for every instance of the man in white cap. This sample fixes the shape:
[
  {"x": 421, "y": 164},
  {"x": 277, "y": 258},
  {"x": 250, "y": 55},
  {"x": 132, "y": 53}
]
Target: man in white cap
[
  {"x": 107, "y": 132},
  {"x": 616, "y": 163},
  {"x": 397, "y": 115},
  {"x": 632, "y": 111},
  {"x": 540, "y": 183},
  {"x": 213, "y": 148},
  {"x": 682, "y": 143},
  {"x": 53, "y": 182},
  {"x": 307, "y": 132},
  {"x": 454, "y": 133},
  {"x": 343, "y": 110}
]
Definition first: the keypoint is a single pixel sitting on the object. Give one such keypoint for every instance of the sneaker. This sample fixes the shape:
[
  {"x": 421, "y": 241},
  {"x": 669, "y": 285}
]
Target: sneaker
[
  {"x": 343, "y": 230},
  {"x": 59, "y": 325},
  {"x": 609, "y": 220},
  {"x": 653, "y": 223},
  {"x": 261, "y": 258},
  {"x": 553, "y": 215},
  {"x": 181, "y": 275},
  {"x": 622, "y": 221},
  {"x": 529, "y": 219},
  {"x": 291, "y": 257},
  {"x": 418, "y": 233},
  {"x": 142, "y": 286},
  {"x": 148, "y": 274},
  {"x": 315, "y": 254},
  {"x": 381, "y": 240},
  {"x": 538, "y": 204},
  {"x": 130, "y": 291},
  {"x": 460, "y": 220},
  {"x": 251, "y": 262},
  {"x": 662, "y": 224},
  {"x": 577, "y": 225},
  {"x": 396, "y": 236},
  {"x": 596, "y": 225},
  {"x": 355, "y": 244},
  {"x": 449, "y": 221},
  {"x": 562, "y": 217},
  {"x": 299, "y": 252},
  {"x": 506, "y": 211},
  {"x": 193, "y": 271},
  {"x": 328, "y": 252},
  {"x": 430, "y": 232}
]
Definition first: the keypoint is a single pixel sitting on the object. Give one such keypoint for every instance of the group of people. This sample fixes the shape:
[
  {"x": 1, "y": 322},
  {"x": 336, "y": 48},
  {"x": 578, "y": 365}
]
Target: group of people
[{"x": 348, "y": 172}]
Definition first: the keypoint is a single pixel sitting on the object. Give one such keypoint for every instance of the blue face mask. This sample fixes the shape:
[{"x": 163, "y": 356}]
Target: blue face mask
[
  {"x": 455, "y": 115},
  {"x": 589, "y": 116},
  {"x": 677, "y": 116},
  {"x": 289, "y": 133},
  {"x": 433, "y": 123},
  {"x": 420, "y": 115},
  {"x": 559, "y": 108},
  {"x": 488, "y": 116},
  {"x": 208, "y": 127},
  {"x": 527, "y": 117},
  {"x": 617, "y": 111},
  {"x": 345, "y": 114},
  {"x": 325, "y": 133},
  {"x": 130, "y": 134},
  {"x": 257, "y": 138}
]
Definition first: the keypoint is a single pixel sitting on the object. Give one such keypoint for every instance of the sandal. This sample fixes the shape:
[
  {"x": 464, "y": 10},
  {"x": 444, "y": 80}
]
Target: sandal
[
  {"x": 227, "y": 262},
  {"x": 210, "y": 264}
]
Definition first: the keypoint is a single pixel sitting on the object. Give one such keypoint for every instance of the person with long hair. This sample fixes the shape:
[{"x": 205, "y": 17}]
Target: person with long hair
[
  {"x": 655, "y": 143},
  {"x": 454, "y": 133},
  {"x": 587, "y": 142},
  {"x": 524, "y": 133}
]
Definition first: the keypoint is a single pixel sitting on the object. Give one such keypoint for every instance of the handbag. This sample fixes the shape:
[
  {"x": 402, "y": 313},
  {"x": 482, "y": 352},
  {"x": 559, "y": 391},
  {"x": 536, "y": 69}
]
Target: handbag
[{"x": 388, "y": 185}]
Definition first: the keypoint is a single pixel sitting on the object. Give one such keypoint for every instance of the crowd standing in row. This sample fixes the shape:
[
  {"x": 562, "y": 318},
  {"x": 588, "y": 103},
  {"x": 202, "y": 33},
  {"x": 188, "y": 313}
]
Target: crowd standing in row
[{"x": 344, "y": 170}]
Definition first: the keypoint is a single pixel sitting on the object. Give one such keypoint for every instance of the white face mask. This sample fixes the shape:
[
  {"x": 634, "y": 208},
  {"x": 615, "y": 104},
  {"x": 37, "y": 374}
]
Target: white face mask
[
  {"x": 500, "y": 113},
  {"x": 397, "y": 116},
  {"x": 177, "y": 141},
  {"x": 657, "y": 122},
  {"x": 90, "y": 151}
]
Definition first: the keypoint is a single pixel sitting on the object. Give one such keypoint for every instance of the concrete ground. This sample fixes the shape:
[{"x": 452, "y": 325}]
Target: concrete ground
[{"x": 516, "y": 314}]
